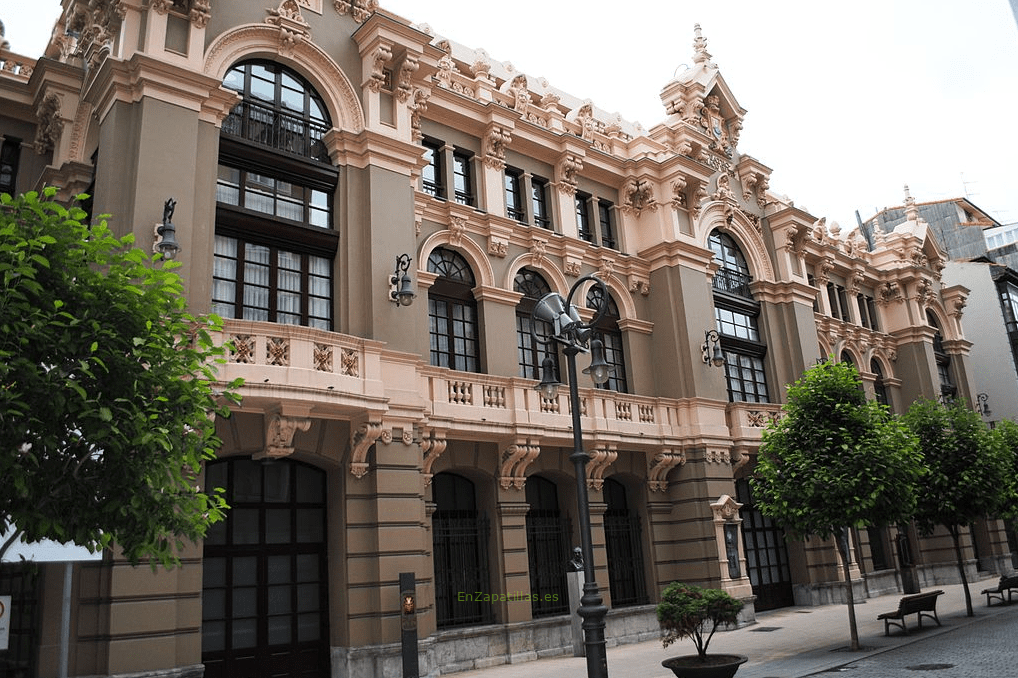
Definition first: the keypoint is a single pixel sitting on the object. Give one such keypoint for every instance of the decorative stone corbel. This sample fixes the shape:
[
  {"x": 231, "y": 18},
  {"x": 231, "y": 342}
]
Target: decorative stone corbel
[
  {"x": 600, "y": 459},
  {"x": 366, "y": 435},
  {"x": 201, "y": 12},
  {"x": 380, "y": 58},
  {"x": 432, "y": 446},
  {"x": 515, "y": 460},
  {"x": 638, "y": 195},
  {"x": 404, "y": 88},
  {"x": 565, "y": 173},
  {"x": 50, "y": 126},
  {"x": 495, "y": 142},
  {"x": 659, "y": 464},
  {"x": 360, "y": 10},
  {"x": 679, "y": 193},
  {"x": 279, "y": 432}
]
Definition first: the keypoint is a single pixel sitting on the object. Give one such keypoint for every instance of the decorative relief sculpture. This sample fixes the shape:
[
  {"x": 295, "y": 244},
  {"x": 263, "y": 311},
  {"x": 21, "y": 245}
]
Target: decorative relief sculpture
[
  {"x": 638, "y": 195},
  {"x": 322, "y": 357},
  {"x": 457, "y": 231},
  {"x": 418, "y": 104},
  {"x": 360, "y": 10},
  {"x": 201, "y": 13},
  {"x": 520, "y": 94},
  {"x": 495, "y": 142},
  {"x": 404, "y": 87},
  {"x": 432, "y": 446},
  {"x": 714, "y": 455},
  {"x": 349, "y": 363},
  {"x": 379, "y": 60},
  {"x": 725, "y": 509},
  {"x": 50, "y": 126},
  {"x": 481, "y": 68},
  {"x": 243, "y": 347},
  {"x": 679, "y": 193},
  {"x": 279, "y": 434},
  {"x": 446, "y": 67},
  {"x": 277, "y": 351},
  {"x": 566, "y": 172},
  {"x": 292, "y": 27}
]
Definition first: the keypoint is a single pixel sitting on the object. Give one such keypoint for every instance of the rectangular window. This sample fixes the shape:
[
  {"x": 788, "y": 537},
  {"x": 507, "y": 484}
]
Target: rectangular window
[
  {"x": 462, "y": 180},
  {"x": 583, "y": 229},
  {"x": 604, "y": 217},
  {"x": 539, "y": 199},
  {"x": 257, "y": 282},
  {"x": 514, "y": 195},
  {"x": 272, "y": 196},
  {"x": 746, "y": 380},
  {"x": 864, "y": 314},
  {"x": 10, "y": 154},
  {"x": 816, "y": 298},
  {"x": 431, "y": 174}
]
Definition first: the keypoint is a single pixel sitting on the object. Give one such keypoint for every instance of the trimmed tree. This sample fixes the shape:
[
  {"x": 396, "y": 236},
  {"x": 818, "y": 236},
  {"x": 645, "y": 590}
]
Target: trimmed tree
[
  {"x": 107, "y": 389},
  {"x": 1006, "y": 433},
  {"x": 969, "y": 472},
  {"x": 835, "y": 461}
]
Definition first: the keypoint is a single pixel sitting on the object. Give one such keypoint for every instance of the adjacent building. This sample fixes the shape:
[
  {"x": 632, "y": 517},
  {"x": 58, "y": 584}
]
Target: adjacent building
[{"x": 318, "y": 152}]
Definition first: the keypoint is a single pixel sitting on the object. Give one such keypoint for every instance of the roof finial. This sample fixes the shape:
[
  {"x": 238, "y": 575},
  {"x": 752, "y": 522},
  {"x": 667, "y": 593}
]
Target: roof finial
[
  {"x": 700, "y": 53},
  {"x": 911, "y": 212}
]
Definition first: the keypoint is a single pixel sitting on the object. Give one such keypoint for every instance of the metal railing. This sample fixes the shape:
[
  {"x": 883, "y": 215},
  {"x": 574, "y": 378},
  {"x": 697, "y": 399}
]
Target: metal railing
[
  {"x": 281, "y": 131},
  {"x": 732, "y": 282},
  {"x": 461, "y": 569}
]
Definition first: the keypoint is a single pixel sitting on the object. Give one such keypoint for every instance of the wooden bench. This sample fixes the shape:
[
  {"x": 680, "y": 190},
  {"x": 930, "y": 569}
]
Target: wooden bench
[
  {"x": 1007, "y": 583},
  {"x": 919, "y": 604}
]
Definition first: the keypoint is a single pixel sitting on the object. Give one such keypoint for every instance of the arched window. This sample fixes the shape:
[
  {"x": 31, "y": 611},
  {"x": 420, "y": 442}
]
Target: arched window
[
  {"x": 548, "y": 532},
  {"x": 460, "y": 536},
  {"x": 265, "y": 571},
  {"x": 607, "y": 330},
  {"x": 624, "y": 546},
  {"x": 879, "y": 387},
  {"x": 452, "y": 313},
  {"x": 736, "y": 315},
  {"x": 948, "y": 390},
  {"x": 532, "y": 352},
  {"x": 275, "y": 242}
]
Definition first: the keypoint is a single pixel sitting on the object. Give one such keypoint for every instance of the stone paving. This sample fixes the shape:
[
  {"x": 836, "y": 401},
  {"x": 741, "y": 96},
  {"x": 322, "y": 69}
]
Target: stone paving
[{"x": 814, "y": 641}]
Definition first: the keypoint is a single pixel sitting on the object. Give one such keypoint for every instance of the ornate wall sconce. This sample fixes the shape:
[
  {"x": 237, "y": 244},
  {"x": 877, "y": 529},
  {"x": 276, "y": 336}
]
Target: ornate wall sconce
[
  {"x": 711, "y": 349},
  {"x": 166, "y": 233},
  {"x": 401, "y": 290},
  {"x": 983, "y": 404}
]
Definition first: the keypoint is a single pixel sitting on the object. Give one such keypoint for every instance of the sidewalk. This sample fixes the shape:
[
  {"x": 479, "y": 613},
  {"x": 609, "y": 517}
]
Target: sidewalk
[{"x": 786, "y": 643}]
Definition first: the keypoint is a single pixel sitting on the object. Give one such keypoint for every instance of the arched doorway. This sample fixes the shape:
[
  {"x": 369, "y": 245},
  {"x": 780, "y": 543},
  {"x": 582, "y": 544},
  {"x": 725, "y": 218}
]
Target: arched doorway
[
  {"x": 460, "y": 542},
  {"x": 264, "y": 597},
  {"x": 548, "y": 534}
]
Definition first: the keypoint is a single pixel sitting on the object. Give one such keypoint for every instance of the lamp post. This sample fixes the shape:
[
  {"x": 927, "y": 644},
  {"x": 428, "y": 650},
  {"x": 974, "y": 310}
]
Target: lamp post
[{"x": 575, "y": 336}]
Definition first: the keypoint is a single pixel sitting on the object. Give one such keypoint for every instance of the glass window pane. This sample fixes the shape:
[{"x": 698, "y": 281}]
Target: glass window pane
[
  {"x": 309, "y": 627},
  {"x": 245, "y": 601},
  {"x": 279, "y": 599},
  {"x": 213, "y": 636},
  {"x": 245, "y": 571},
  {"x": 309, "y": 526},
  {"x": 278, "y": 569},
  {"x": 277, "y": 526},
  {"x": 245, "y": 526},
  {"x": 245, "y": 633}
]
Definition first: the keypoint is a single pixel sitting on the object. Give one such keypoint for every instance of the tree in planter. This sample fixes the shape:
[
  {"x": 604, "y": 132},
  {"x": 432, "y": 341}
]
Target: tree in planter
[
  {"x": 835, "y": 461},
  {"x": 106, "y": 389},
  {"x": 969, "y": 472}
]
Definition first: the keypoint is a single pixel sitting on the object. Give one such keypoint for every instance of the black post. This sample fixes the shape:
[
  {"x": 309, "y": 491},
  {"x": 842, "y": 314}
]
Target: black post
[
  {"x": 592, "y": 609},
  {"x": 408, "y": 623}
]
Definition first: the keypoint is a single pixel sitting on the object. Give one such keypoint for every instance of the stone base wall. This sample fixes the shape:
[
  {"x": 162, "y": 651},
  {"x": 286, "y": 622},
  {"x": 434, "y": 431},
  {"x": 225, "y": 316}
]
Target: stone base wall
[
  {"x": 882, "y": 582},
  {"x": 481, "y": 647}
]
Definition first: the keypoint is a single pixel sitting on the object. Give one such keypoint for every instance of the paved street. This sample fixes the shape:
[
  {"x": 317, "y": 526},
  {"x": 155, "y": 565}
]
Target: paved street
[{"x": 813, "y": 641}]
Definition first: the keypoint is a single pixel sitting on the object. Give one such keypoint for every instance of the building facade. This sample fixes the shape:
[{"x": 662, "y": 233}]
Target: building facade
[{"x": 309, "y": 148}]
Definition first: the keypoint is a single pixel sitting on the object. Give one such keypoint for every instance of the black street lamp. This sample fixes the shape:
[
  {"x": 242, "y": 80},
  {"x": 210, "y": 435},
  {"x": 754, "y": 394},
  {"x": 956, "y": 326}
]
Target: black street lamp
[{"x": 575, "y": 336}]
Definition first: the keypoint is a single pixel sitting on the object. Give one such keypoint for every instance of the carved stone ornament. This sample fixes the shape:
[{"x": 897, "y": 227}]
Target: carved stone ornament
[
  {"x": 292, "y": 27},
  {"x": 446, "y": 68},
  {"x": 380, "y": 58},
  {"x": 520, "y": 94},
  {"x": 717, "y": 455},
  {"x": 795, "y": 238},
  {"x": 725, "y": 509},
  {"x": 515, "y": 460},
  {"x": 432, "y": 446},
  {"x": 566, "y": 171},
  {"x": 700, "y": 53},
  {"x": 498, "y": 247},
  {"x": 889, "y": 291},
  {"x": 457, "y": 231},
  {"x": 495, "y": 142},
  {"x": 639, "y": 283},
  {"x": 417, "y": 105},
  {"x": 481, "y": 67},
  {"x": 638, "y": 195},
  {"x": 50, "y": 126},
  {"x": 659, "y": 464},
  {"x": 679, "y": 193},
  {"x": 404, "y": 88},
  {"x": 360, "y": 10},
  {"x": 366, "y": 435},
  {"x": 600, "y": 459},
  {"x": 279, "y": 434},
  {"x": 201, "y": 13}
]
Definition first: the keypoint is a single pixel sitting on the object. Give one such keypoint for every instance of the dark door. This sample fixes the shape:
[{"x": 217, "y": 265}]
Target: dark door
[
  {"x": 264, "y": 598},
  {"x": 766, "y": 555},
  {"x": 624, "y": 546},
  {"x": 548, "y": 549}
]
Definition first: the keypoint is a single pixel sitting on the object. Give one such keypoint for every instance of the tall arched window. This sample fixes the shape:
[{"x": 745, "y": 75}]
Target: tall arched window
[
  {"x": 275, "y": 242},
  {"x": 736, "y": 315},
  {"x": 879, "y": 387},
  {"x": 460, "y": 536},
  {"x": 948, "y": 390},
  {"x": 532, "y": 352},
  {"x": 607, "y": 330},
  {"x": 452, "y": 313},
  {"x": 624, "y": 547},
  {"x": 548, "y": 532}
]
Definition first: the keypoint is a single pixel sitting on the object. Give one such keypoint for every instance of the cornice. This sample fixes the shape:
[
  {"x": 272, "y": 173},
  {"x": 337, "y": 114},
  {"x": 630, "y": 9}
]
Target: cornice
[
  {"x": 677, "y": 253},
  {"x": 784, "y": 292},
  {"x": 371, "y": 148}
]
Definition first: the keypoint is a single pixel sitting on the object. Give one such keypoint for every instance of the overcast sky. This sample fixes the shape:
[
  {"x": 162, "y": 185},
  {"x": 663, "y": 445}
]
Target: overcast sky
[{"x": 847, "y": 102}]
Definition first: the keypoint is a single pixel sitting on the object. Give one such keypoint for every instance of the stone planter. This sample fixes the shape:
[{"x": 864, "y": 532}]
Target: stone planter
[{"x": 712, "y": 666}]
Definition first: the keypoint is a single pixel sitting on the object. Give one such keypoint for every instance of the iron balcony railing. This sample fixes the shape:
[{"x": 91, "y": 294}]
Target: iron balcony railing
[
  {"x": 278, "y": 130},
  {"x": 732, "y": 282}
]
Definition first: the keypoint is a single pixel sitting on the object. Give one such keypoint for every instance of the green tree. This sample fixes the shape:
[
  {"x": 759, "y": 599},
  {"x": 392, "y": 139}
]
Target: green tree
[
  {"x": 107, "y": 389},
  {"x": 835, "y": 461},
  {"x": 1006, "y": 433},
  {"x": 969, "y": 472}
]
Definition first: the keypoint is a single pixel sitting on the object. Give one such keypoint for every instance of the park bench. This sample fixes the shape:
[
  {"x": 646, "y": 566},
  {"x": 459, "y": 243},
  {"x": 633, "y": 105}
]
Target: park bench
[
  {"x": 1007, "y": 583},
  {"x": 919, "y": 604}
]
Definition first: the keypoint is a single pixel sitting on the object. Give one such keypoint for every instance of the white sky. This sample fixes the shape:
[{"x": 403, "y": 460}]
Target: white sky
[{"x": 847, "y": 101}]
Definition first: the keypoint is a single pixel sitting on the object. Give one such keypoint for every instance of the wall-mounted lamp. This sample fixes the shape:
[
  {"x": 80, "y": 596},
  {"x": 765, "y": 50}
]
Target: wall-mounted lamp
[
  {"x": 711, "y": 349},
  {"x": 401, "y": 292},
  {"x": 166, "y": 233},
  {"x": 983, "y": 404}
]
